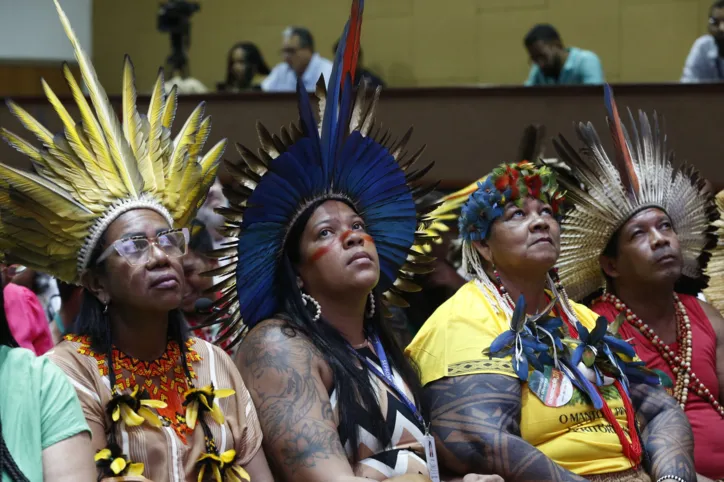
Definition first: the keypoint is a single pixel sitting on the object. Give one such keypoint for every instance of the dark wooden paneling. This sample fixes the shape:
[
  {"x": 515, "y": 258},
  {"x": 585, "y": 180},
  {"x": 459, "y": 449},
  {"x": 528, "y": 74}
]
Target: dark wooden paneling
[
  {"x": 468, "y": 131},
  {"x": 23, "y": 79}
]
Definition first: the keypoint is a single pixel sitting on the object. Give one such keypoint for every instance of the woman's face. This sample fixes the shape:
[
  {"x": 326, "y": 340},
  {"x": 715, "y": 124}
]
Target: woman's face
[
  {"x": 336, "y": 253},
  {"x": 156, "y": 285},
  {"x": 238, "y": 63},
  {"x": 524, "y": 239}
]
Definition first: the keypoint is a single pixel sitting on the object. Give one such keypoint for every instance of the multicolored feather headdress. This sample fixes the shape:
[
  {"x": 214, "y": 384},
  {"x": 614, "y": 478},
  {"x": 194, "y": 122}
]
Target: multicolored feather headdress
[
  {"x": 344, "y": 157},
  {"x": 448, "y": 208},
  {"x": 507, "y": 183},
  {"x": 641, "y": 175},
  {"x": 52, "y": 218}
]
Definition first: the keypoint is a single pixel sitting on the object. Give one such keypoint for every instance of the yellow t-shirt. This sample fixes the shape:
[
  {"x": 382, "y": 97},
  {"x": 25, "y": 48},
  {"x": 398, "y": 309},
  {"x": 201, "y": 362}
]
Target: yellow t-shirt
[{"x": 576, "y": 436}]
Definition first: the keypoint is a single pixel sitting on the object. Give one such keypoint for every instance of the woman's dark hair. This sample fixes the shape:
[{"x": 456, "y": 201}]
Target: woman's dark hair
[
  {"x": 253, "y": 59},
  {"x": 352, "y": 385},
  {"x": 7, "y": 463}
]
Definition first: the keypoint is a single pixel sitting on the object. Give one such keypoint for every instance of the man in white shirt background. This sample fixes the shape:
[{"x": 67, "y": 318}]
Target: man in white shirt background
[
  {"x": 705, "y": 62},
  {"x": 300, "y": 60}
]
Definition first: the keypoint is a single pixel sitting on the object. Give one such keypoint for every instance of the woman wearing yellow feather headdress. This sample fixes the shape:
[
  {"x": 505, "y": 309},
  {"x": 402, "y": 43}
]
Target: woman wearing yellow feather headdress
[{"x": 105, "y": 206}]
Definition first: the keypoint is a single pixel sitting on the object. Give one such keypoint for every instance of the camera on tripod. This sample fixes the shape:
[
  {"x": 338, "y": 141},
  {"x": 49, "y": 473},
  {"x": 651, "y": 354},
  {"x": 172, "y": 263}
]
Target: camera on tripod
[{"x": 174, "y": 17}]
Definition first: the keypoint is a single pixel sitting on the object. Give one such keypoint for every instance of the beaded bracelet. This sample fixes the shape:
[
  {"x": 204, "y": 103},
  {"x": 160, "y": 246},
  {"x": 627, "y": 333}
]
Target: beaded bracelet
[{"x": 670, "y": 477}]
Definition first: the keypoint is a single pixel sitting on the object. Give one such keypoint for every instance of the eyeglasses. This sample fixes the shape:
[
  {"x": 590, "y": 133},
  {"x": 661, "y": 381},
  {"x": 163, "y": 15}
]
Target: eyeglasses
[
  {"x": 137, "y": 250},
  {"x": 289, "y": 50}
]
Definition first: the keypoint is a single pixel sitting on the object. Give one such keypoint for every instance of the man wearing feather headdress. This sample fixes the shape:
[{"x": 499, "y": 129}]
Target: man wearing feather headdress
[{"x": 639, "y": 227}]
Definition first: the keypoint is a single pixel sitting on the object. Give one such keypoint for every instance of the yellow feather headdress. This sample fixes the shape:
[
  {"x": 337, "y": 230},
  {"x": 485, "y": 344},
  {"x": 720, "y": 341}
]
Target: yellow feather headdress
[{"x": 52, "y": 218}]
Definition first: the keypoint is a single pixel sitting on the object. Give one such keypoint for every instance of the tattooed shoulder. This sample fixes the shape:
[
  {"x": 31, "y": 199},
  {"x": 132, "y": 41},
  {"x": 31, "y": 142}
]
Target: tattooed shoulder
[{"x": 281, "y": 369}]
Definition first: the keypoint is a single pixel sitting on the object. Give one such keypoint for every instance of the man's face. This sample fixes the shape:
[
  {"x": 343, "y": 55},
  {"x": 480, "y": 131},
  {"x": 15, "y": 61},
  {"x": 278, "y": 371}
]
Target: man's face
[
  {"x": 648, "y": 250},
  {"x": 716, "y": 24},
  {"x": 294, "y": 55},
  {"x": 547, "y": 55}
]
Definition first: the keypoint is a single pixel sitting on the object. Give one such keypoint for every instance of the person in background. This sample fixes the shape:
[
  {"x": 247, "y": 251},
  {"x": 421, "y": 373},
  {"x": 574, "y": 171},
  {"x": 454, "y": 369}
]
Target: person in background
[
  {"x": 178, "y": 66},
  {"x": 704, "y": 62},
  {"x": 362, "y": 73},
  {"x": 245, "y": 69},
  {"x": 196, "y": 300},
  {"x": 70, "y": 299},
  {"x": 45, "y": 435},
  {"x": 25, "y": 316},
  {"x": 209, "y": 217},
  {"x": 554, "y": 64},
  {"x": 300, "y": 61}
]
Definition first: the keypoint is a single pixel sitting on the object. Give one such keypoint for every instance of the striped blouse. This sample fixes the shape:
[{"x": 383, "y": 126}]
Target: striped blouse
[{"x": 168, "y": 453}]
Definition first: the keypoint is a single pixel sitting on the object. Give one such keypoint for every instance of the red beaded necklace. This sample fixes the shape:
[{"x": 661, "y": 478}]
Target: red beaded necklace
[{"x": 680, "y": 363}]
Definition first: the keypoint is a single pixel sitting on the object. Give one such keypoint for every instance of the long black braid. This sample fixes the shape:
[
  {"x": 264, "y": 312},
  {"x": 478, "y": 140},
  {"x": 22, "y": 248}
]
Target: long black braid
[{"x": 7, "y": 463}]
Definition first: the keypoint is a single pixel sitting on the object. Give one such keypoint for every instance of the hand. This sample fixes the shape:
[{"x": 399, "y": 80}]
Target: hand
[{"x": 482, "y": 478}]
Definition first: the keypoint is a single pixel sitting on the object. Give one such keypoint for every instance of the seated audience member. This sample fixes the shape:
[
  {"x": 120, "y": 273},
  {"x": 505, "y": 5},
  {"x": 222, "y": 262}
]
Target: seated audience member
[
  {"x": 245, "y": 69},
  {"x": 300, "y": 60},
  {"x": 209, "y": 217},
  {"x": 44, "y": 435},
  {"x": 704, "y": 62},
  {"x": 510, "y": 393},
  {"x": 181, "y": 78},
  {"x": 196, "y": 302},
  {"x": 362, "y": 73},
  {"x": 639, "y": 231},
  {"x": 70, "y": 299},
  {"x": 554, "y": 64},
  {"x": 26, "y": 317}
]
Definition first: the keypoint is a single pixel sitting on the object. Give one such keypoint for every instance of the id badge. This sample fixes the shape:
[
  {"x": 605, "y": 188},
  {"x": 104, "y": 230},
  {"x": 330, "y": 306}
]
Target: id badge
[{"x": 431, "y": 457}]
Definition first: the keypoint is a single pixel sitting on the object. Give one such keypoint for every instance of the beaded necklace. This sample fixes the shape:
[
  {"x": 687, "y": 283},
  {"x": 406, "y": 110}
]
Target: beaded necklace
[
  {"x": 679, "y": 362},
  {"x": 172, "y": 397}
]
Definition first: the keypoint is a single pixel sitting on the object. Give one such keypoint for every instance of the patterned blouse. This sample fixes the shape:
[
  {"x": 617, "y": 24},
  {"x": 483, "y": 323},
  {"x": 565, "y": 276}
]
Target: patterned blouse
[
  {"x": 168, "y": 453},
  {"x": 404, "y": 454}
]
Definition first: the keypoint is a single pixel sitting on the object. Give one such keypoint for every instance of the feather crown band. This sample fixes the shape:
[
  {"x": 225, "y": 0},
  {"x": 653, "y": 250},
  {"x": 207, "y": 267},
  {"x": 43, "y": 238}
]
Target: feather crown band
[
  {"x": 346, "y": 157},
  {"x": 605, "y": 193},
  {"x": 507, "y": 183},
  {"x": 83, "y": 178}
]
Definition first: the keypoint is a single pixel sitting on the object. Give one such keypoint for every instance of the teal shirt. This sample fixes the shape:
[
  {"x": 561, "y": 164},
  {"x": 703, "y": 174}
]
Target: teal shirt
[
  {"x": 581, "y": 67},
  {"x": 38, "y": 408}
]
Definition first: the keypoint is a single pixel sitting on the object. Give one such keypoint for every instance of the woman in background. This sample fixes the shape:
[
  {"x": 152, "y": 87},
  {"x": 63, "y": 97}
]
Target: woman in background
[{"x": 245, "y": 69}]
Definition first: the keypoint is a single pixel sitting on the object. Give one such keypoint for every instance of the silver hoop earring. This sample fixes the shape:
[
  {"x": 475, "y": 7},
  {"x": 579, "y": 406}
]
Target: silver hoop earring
[
  {"x": 371, "y": 310},
  {"x": 105, "y": 308},
  {"x": 306, "y": 299}
]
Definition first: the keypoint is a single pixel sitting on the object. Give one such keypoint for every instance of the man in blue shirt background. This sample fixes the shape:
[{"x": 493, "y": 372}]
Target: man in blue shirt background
[
  {"x": 554, "y": 64},
  {"x": 705, "y": 62}
]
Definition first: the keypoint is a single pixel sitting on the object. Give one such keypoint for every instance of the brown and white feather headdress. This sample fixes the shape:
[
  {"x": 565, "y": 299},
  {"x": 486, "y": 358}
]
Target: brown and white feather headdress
[
  {"x": 606, "y": 193},
  {"x": 84, "y": 177},
  {"x": 715, "y": 269}
]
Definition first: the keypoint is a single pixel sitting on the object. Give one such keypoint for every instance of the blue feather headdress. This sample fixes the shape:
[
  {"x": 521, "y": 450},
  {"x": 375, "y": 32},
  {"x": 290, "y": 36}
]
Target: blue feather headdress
[{"x": 343, "y": 157}]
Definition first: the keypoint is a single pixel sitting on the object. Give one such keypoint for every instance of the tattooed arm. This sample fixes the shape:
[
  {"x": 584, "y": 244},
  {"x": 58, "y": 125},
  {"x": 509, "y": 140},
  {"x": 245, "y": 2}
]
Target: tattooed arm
[
  {"x": 284, "y": 376},
  {"x": 477, "y": 419},
  {"x": 666, "y": 433}
]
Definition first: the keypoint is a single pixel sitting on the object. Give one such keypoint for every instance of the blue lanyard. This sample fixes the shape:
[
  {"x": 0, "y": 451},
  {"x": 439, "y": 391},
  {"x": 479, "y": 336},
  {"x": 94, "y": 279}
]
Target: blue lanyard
[{"x": 388, "y": 377}]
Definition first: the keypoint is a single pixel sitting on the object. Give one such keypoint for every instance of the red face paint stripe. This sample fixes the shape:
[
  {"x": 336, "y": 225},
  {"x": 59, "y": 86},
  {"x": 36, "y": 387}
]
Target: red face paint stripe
[
  {"x": 345, "y": 235},
  {"x": 319, "y": 253},
  {"x": 368, "y": 238}
]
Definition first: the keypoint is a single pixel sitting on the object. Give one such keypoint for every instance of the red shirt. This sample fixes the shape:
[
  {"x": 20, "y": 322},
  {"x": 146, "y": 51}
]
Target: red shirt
[
  {"x": 26, "y": 319},
  {"x": 706, "y": 423}
]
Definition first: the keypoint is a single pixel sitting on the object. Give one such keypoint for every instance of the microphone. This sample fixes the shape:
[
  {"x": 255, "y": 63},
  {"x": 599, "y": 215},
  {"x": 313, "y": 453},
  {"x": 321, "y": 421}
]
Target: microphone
[{"x": 206, "y": 306}]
